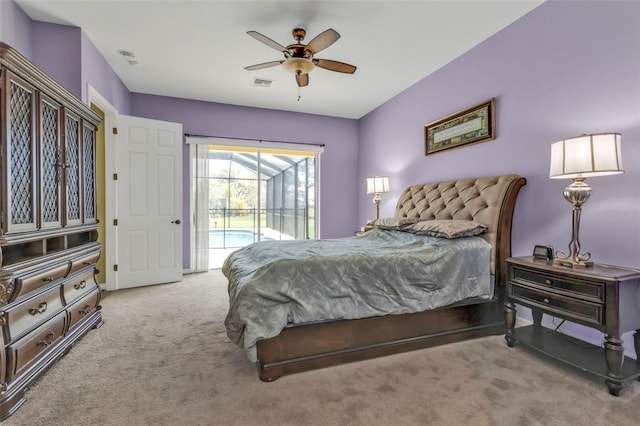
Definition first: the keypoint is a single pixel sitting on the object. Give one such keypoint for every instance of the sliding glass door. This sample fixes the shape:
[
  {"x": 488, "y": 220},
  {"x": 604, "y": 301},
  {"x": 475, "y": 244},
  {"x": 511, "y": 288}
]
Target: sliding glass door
[
  {"x": 289, "y": 204},
  {"x": 252, "y": 194}
]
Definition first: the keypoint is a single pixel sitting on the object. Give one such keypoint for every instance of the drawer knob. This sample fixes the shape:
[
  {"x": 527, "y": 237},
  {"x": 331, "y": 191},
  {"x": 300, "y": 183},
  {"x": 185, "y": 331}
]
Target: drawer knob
[
  {"x": 548, "y": 282},
  {"x": 47, "y": 340},
  {"x": 40, "y": 309},
  {"x": 80, "y": 285},
  {"x": 546, "y": 300},
  {"x": 84, "y": 311}
]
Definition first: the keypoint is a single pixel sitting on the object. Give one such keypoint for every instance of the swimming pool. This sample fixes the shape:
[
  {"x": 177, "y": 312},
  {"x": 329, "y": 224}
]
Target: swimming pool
[{"x": 224, "y": 238}]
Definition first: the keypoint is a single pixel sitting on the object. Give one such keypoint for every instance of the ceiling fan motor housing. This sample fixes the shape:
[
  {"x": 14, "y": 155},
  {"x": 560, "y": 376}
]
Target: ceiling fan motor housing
[{"x": 299, "y": 58}]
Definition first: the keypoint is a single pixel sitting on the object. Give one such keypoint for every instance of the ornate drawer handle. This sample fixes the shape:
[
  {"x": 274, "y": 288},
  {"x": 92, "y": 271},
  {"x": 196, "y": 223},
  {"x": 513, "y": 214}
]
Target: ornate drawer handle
[
  {"x": 85, "y": 311},
  {"x": 87, "y": 263},
  {"x": 47, "y": 279},
  {"x": 40, "y": 309},
  {"x": 47, "y": 340},
  {"x": 81, "y": 284}
]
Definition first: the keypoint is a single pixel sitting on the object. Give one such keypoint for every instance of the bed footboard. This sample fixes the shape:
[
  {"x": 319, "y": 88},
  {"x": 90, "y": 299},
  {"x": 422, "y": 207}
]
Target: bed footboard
[{"x": 306, "y": 347}]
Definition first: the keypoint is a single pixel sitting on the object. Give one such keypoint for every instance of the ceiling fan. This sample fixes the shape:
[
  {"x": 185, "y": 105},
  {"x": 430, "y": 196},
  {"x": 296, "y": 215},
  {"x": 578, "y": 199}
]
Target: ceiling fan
[{"x": 299, "y": 58}]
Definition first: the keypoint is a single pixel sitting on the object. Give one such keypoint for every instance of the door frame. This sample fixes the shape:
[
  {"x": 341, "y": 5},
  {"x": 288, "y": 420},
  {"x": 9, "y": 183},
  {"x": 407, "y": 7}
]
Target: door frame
[{"x": 110, "y": 146}]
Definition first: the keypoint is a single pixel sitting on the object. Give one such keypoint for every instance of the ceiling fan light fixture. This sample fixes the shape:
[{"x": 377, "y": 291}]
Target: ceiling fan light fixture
[{"x": 301, "y": 65}]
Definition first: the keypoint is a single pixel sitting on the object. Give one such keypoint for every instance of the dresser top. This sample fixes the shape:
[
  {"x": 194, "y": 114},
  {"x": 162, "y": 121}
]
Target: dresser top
[{"x": 598, "y": 270}]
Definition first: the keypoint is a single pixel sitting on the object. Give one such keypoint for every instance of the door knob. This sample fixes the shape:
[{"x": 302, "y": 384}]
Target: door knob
[{"x": 177, "y": 221}]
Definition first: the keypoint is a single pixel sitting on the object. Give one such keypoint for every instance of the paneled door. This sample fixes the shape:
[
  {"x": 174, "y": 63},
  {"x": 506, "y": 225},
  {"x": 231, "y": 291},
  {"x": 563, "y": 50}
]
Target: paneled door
[{"x": 149, "y": 197}]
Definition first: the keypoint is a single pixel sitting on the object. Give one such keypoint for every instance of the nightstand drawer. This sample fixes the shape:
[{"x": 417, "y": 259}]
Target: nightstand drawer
[
  {"x": 587, "y": 290},
  {"x": 558, "y": 304}
]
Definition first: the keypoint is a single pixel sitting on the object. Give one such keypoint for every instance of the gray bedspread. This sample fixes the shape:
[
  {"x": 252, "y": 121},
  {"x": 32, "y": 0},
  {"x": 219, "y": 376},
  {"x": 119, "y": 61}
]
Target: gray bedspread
[{"x": 382, "y": 272}]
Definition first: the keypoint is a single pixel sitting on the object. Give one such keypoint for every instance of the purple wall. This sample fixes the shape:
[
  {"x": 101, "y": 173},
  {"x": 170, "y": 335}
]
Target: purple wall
[
  {"x": 57, "y": 53},
  {"x": 65, "y": 53},
  {"x": 15, "y": 28},
  {"x": 564, "y": 69},
  {"x": 338, "y": 174},
  {"x": 97, "y": 72}
]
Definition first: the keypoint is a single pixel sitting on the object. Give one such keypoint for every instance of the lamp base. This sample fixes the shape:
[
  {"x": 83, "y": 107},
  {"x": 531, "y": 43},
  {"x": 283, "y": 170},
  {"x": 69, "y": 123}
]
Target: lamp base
[
  {"x": 570, "y": 263},
  {"x": 577, "y": 194},
  {"x": 376, "y": 200}
]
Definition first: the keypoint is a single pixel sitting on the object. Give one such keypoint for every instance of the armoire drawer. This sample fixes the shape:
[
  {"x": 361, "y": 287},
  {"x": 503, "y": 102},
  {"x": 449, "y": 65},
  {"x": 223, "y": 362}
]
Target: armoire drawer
[
  {"x": 83, "y": 261},
  {"x": 28, "y": 283},
  {"x": 83, "y": 307},
  {"x": 34, "y": 345},
  {"x": 22, "y": 317},
  {"x": 78, "y": 285}
]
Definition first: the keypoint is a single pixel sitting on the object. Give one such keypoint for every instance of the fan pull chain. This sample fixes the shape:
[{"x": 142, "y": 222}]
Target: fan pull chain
[{"x": 298, "y": 93}]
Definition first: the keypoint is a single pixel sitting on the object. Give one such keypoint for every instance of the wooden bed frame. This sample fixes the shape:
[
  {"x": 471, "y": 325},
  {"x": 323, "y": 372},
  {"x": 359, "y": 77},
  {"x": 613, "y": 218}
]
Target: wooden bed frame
[{"x": 489, "y": 200}]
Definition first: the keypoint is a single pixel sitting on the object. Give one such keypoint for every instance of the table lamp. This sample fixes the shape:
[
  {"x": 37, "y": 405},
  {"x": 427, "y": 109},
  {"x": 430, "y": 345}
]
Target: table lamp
[
  {"x": 578, "y": 158},
  {"x": 377, "y": 185}
]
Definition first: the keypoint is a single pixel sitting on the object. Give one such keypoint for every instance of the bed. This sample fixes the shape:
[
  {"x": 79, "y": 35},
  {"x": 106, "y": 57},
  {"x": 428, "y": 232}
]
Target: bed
[{"x": 285, "y": 332}]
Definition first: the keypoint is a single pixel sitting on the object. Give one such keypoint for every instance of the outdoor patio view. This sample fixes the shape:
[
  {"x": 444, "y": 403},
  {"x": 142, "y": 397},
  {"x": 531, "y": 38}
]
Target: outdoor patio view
[{"x": 258, "y": 195}]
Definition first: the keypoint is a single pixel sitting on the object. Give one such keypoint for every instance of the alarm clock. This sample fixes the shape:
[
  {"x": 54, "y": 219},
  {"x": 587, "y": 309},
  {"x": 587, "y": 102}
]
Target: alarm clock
[{"x": 543, "y": 252}]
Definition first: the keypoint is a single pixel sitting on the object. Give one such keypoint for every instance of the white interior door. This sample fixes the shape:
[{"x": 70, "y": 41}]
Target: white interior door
[{"x": 149, "y": 202}]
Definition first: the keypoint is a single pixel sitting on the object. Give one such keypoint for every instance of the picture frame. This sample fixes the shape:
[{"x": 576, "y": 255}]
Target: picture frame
[{"x": 466, "y": 127}]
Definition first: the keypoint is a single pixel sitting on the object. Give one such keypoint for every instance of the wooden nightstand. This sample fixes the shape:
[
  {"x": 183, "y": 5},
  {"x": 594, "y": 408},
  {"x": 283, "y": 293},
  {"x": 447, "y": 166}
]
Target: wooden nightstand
[{"x": 603, "y": 297}]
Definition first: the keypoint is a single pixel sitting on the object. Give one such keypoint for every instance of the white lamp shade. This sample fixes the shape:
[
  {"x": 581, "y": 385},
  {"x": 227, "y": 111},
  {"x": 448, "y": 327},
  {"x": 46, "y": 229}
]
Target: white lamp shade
[
  {"x": 585, "y": 156},
  {"x": 377, "y": 185}
]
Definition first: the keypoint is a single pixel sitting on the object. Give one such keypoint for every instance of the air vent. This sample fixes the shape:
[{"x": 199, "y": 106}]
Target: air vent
[
  {"x": 262, "y": 82},
  {"x": 129, "y": 57}
]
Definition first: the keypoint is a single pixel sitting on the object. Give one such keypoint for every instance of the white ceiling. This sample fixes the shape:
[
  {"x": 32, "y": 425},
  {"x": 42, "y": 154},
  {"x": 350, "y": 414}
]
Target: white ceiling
[{"x": 198, "y": 49}]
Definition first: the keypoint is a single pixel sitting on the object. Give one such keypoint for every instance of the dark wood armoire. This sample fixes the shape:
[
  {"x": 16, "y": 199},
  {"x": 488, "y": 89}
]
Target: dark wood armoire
[{"x": 49, "y": 296}]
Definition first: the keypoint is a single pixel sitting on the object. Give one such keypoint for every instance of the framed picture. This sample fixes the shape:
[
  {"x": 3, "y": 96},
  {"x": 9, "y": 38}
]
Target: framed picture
[{"x": 472, "y": 125}]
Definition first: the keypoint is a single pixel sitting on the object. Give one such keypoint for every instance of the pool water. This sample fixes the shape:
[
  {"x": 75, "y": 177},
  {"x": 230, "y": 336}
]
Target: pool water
[{"x": 222, "y": 238}]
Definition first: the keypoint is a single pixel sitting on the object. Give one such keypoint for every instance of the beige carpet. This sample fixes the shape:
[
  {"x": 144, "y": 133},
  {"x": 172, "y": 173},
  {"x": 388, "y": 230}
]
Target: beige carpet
[{"x": 162, "y": 358}]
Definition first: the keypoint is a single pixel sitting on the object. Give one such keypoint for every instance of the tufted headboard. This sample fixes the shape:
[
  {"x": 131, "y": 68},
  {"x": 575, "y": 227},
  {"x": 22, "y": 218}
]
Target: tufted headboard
[{"x": 488, "y": 200}]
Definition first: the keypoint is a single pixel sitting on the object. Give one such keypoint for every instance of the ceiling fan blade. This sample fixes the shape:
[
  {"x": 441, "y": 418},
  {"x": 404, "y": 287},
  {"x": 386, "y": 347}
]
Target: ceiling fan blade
[
  {"x": 302, "y": 79},
  {"x": 323, "y": 40},
  {"x": 263, "y": 65},
  {"x": 266, "y": 40},
  {"x": 334, "y": 66}
]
